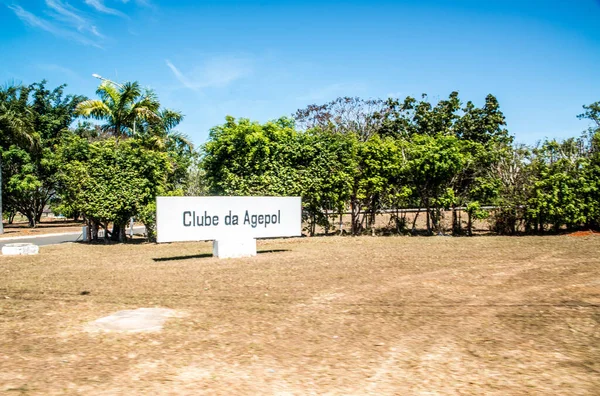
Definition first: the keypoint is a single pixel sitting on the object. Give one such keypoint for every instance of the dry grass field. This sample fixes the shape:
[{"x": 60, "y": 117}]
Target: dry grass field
[
  {"x": 384, "y": 315},
  {"x": 47, "y": 226}
]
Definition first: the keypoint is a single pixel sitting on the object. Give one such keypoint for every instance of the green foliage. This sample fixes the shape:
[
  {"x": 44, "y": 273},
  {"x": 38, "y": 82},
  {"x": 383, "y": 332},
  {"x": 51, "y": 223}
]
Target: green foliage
[
  {"x": 327, "y": 167},
  {"x": 107, "y": 181},
  {"x": 349, "y": 154},
  {"x": 247, "y": 158},
  {"x": 557, "y": 193},
  {"x": 433, "y": 162},
  {"x": 32, "y": 121},
  {"x": 124, "y": 164},
  {"x": 121, "y": 106},
  {"x": 364, "y": 155}
]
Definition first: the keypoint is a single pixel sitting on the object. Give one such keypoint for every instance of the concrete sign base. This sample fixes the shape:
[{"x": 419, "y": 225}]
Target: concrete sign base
[
  {"x": 234, "y": 247},
  {"x": 14, "y": 249}
]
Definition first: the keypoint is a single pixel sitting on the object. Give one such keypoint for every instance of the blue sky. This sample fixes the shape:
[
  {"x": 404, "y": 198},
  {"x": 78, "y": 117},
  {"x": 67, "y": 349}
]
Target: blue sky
[{"x": 265, "y": 59}]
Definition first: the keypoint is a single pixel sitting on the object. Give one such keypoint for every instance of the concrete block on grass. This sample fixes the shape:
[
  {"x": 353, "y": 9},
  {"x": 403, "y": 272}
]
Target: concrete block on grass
[
  {"x": 234, "y": 247},
  {"x": 15, "y": 249}
]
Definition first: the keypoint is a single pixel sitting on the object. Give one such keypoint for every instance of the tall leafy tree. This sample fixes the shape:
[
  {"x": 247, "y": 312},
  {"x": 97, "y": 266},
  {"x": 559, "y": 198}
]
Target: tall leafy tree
[
  {"x": 39, "y": 115},
  {"x": 327, "y": 166},
  {"x": 433, "y": 162},
  {"x": 110, "y": 181},
  {"x": 15, "y": 127},
  {"x": 247, "y": 158},
  {"x": 486, "y": 140},
  {"x": 128, "y": 111}
]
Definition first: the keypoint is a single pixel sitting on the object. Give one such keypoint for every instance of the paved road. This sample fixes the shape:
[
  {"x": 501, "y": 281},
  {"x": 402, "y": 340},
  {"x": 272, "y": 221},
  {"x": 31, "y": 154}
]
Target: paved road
[{"x": 42, "y": 240}]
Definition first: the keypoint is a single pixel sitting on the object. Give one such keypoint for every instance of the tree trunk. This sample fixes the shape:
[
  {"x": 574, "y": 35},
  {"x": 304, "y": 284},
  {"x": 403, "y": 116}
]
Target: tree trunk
[
  {"x": 373, "y": 211},
  {"x": 469, "y": 224},
  {"x": 114, "y": 235},
  {"x": 455, "y": 223},
  {"x": 414, "y": 229},
  {"x": 95, "y": 226},
  {"x": 122, "y": 233},
  {"x": 354, "y": 214},
  {"x": 428, "y": 218},
  {"x": 31, "y": 220},
  {"x": 435, "y": 220}
]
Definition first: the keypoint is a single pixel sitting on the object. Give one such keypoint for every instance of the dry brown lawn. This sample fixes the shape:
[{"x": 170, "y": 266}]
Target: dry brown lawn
[
  {"x": 395, "y": 315},
  {"x": 46, "y": 226}
]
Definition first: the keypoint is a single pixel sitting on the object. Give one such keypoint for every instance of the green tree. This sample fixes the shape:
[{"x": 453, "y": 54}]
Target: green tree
[
  {"x": 327, "y": 165},
  {"x": 513, "y": 174},
  {"x": 433, "y": 162},
  {"x": 246, "y": 158},
  {"x": 121, "y": 106},
  {"x": 378, "y": 169},
  {"x": 591, "y": 113},
  {"x": 132, "y": 112},
  {"x": 486, "y": 141},
  {"x": 39, "y": 117},
  {"x": 110, "y": 181},
  {"x": 14, "y": 128},
  {"x": 556, "y": 197}
]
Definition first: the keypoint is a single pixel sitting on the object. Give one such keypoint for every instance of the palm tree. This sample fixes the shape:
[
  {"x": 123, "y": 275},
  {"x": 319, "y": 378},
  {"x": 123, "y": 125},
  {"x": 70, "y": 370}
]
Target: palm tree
[
  {"x": 130, "y": 111},
  {"x": 159, "y": 134},
  {"x": 121, "y": 106},
  {"x": 15, "y": 124}
]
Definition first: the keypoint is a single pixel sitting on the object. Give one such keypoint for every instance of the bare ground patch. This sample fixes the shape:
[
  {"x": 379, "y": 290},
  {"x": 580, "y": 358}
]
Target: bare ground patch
[{"x": 395, "y": 315}]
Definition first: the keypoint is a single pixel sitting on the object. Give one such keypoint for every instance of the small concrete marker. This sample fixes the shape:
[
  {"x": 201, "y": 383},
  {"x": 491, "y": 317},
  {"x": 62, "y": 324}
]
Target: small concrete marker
[
  {"x": 17, "y": 249},
  {"x": 133, "y": 321},
  {"x": 234, "y": 247}
]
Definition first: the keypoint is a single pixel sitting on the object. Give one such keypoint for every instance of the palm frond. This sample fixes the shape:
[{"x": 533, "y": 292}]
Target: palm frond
[
  {"x": 130, "y": 92},
  {"x": 94, "y": 108},
  {"x": 145, "y": 113},
  {"x": 170, "y": 118},
  {"x": 181, "y": 140},
  {"x": 109, "y": 93}
]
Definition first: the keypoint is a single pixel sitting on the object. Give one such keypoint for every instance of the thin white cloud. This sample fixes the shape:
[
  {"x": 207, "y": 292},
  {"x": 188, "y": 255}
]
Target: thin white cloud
[
  {"x": 95, "y": 31},
  {"x": 72, "y": 16},
  {"x": 141, "y": 3},
  {"x": 40, "y": 23},
  {"x": 217, "y": 72},
  {"x": 99, "y": 5}
]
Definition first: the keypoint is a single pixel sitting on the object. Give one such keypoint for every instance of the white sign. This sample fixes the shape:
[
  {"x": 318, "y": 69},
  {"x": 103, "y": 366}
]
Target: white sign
[{"x": 212, "y": 218}]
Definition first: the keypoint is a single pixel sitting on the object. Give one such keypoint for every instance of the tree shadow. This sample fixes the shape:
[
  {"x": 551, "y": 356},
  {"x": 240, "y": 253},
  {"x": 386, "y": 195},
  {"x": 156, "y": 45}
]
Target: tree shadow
[
  {"x": 206, "y": 255},
  {"x": 137, "y": 240},
  {"x": 191, "y": 256},
  {"x": 272, "y": 251}
]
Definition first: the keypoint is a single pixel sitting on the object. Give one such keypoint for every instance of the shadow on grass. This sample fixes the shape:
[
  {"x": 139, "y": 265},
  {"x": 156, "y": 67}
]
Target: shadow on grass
[
  {"x": 191, "y": 256},
  {"x": 272, "y": 251},
  {"x": 137, "y": 240},
  {"x": 205, "y": 255}
]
